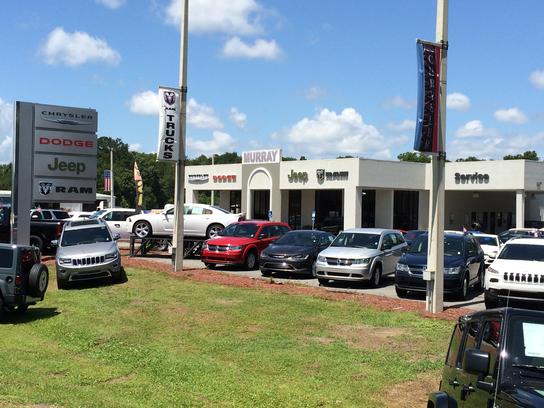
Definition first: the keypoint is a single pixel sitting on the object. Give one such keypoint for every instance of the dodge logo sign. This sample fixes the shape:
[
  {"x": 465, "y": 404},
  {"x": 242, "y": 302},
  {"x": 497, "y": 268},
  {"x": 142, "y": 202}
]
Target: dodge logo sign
[
  {"x": 45, "y": 188},
  {"x": 320, "y": 173},
  {"x": 169, "y": 97}
]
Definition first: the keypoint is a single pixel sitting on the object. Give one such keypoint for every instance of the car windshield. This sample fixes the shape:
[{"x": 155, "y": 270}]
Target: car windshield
[
  {"x": 523, "y": 252},
  {"x": 85, "y": 236},
  {"x": 487, "y": 241},
  {"x": 453, "y": 246},
  {"x": 298, "y": 238},
  {"x": 61, "y": 215},
  {"x": 526, "y": 346},
  {"x": 356, "y": 240},
  {"x": 247, "y": 230},
  {"x": 97, "y": 214}
]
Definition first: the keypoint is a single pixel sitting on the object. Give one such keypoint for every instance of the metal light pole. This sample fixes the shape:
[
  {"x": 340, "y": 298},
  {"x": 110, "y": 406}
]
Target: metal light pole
[
  {"x": 435, "y": 288},
  {"x": 111, "y": 176},
  {"x": 177, "y": 244},
  {"x": 213, "y": 163}
]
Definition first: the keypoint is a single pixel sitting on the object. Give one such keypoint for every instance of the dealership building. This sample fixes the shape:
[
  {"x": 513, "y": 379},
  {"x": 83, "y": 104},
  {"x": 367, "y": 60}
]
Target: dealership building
[{"x": 356, "y": 192}]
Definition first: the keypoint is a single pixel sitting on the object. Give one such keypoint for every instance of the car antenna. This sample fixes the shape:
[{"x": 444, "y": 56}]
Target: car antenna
[{"x": 503, "y": 347}]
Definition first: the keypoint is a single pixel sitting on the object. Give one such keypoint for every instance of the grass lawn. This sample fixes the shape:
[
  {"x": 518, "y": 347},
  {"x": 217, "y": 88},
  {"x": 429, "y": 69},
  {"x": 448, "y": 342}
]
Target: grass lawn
[{"x": 157, "y": 341}]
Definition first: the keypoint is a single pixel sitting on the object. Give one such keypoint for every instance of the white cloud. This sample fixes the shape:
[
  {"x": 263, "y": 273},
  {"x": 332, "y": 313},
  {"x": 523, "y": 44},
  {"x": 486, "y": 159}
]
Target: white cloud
[
  {"x": 458, "y": 101},
  {"x": 113, "y": 4},
  {"x": 314, "y": 92},
  {"x": 220, "y": 142},
  {"x": 198, "y": 115},
  {"x": 77, "y": 48},
  {"x": 239, "y": 118},
  {"x": 537, "y": 79},
  {"x": 136, "y": 147},
  {"x": 235, "y": 17},
  {"x": 404, "y": 126},
  {"x": 145, "y": 103},
  {"x": 512, "y": 115},
  {"x": 236, "y": 48},
  {"x": 329, "y": 133},
  {"x": 474, "y": 128},
  {"x": 6, "y": 131},
  {"x": 399, "y": 102}
]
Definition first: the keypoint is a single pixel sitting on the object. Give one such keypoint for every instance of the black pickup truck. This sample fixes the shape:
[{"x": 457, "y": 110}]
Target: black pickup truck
[
  {"x": 495, "y": 359},
  {"x": 41, "y": 232}
]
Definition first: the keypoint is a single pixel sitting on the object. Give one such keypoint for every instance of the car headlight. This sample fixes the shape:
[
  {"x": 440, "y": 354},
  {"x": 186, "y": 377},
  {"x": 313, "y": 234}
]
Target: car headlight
[
  {"x": 111, "y": 255},
  {"x": 360, "y": 261},
  {"x": 491, "y": 270},
  {"x": 452, "y": 271},
  {"x": 321, "y": 258},
  {"x": 236, "y": 248},
  {"x": 403, "y": 267},
  {"x": 299, "y": 257},
  {"x": 205, "y": 245},
  {"x": 65, "y": 261},
  {"x": 265, "y": 254}
]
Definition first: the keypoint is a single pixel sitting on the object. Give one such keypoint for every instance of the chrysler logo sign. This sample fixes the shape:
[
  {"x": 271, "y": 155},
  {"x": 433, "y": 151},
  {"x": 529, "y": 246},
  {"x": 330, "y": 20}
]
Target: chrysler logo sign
[{"x": 67, "y": 118}]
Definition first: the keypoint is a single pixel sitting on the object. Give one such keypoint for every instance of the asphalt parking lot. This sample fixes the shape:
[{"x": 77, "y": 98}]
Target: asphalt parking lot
[{"x": 474, "y": 301}]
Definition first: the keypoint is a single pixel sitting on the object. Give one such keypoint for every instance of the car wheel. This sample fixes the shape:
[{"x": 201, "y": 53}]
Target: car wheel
[
  {"x": 490, "y": 302},
  {"x": 463, "y": 291},
  {"x": 142, "y": 229},
  {"x": 36, "y": 242},
  {"x": 266, "y": 273},
  {"x": 121, "y": 277},
  {"x": 62, "y": 284},
  {"x": 376, "y": 277},
  {"x": 214, "y": 230},
  {"x": 322, "y": 282},
  {"x": 21, "y": 309},
  {"x": 314, "y": 271},
  {"x": 401, "y": 293},
  {"x": 251, "y": 260},
  {"x": 209, "y": 265},
  {"x": 1, "y": 305},
  {"x": 481, "y": 278},
  {"x": 38, "y": 279}
]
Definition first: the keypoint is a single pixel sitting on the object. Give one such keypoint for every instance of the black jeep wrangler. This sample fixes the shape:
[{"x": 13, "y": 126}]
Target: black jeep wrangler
[
  {"x": 23, "y": 278},
  {"x": 495, "y": 359}
]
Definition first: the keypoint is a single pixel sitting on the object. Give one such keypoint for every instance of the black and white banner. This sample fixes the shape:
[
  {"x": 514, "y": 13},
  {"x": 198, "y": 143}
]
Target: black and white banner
[{"x": 169, "y": 124}]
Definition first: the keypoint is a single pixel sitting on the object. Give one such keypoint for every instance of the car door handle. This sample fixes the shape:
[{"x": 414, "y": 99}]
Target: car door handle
[
  {"x": 453, "y": 383},
  {"x": 117, "y": 225}
]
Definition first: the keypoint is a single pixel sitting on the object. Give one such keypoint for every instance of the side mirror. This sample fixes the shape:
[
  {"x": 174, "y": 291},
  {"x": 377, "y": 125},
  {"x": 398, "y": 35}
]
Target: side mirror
[
  {"x": 262, "y": 236},
  {"x": 476, "y": 362},
  {"x": 54, "y": 242},
  {"x": 116, "y": 236}
]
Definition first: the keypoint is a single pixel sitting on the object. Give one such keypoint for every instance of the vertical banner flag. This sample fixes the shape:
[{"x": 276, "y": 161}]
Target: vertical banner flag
[
  {"x": 107, "y": 180},
  {"x": 139, "y": 186},
  {"x": 169, "y": 132},
  {"x": 428, "y": 97}
]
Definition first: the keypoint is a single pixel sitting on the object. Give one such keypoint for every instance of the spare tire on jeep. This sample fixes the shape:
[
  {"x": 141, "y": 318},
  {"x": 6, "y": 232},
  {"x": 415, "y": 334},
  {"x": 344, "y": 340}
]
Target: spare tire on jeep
[{"x": 38, "y": 279}]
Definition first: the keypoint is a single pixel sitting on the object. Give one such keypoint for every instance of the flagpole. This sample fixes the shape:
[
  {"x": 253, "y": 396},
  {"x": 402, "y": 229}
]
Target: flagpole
[
  {"x": 111, "y": 176},
  {"x": 177, "y": 244}
]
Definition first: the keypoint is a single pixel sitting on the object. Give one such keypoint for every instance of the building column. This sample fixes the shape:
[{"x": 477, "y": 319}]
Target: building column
[
  {"x": 520, "y": 208},
  {"x": 423, "y": 212},
  {"x": 224, "y": 199},
  {"x": 190, "y": 196},
  {"x": 307, "y": 206},
  {"x": 384, "y": 208},
  {"x": 353, "y": 198}
]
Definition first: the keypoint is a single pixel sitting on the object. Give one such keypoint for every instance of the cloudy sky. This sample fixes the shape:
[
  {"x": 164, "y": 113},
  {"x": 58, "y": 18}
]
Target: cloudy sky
[{"x": 316, "y": 78}]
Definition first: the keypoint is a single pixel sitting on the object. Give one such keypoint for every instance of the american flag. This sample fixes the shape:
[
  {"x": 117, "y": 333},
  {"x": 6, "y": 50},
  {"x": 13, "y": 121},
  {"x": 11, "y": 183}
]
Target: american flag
[{"x": 107, "y": 180}]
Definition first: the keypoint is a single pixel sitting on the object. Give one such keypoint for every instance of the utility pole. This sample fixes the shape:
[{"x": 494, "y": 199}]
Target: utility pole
[
  {"x": 213, "y": 163},
  {"x": 111, "y": 175},
  {"x": 434, "y": 302},
  {"x": 177, "y": 244}
]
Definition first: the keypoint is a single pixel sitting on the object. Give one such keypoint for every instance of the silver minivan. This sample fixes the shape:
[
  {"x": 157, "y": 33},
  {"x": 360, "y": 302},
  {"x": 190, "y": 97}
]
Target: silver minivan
[
  {"x": 86, "y": 251},
  {"x": 361, "y": 254}
]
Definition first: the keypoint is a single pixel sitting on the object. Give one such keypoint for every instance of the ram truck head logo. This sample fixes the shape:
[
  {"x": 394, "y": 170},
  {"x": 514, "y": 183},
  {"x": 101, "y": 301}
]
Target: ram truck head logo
[
  {"x": 45, "y": 188},
  {"x": 169, "y": 97}
]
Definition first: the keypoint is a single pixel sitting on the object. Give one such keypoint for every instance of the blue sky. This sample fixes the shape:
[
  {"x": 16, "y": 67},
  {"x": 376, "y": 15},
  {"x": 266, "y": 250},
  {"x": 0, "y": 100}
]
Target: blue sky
[{"x": 316, "y": 78}]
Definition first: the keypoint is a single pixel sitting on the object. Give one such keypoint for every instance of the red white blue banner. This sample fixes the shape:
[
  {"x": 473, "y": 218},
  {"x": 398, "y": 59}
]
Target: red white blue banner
[
  {"x": 107, "y": 180},
  {"x": 428, "y": 100}
]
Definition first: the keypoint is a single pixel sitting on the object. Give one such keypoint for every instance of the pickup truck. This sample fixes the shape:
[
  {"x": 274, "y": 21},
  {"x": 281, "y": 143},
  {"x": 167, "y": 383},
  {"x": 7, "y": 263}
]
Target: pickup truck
[
  {"x": 41, "y": 232},
  {"x": 495, "y": 359}
]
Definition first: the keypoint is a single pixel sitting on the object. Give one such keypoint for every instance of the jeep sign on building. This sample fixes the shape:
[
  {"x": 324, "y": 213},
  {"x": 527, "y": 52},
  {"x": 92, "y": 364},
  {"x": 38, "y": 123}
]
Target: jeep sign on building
[{"x": 64, "y": 154}]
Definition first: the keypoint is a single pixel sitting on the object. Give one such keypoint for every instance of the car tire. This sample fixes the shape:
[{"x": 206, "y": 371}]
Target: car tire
[
  {"x": 38, "y": 280},
  {"x": 401, "y": 293},
  {"x": 1, "y": 305},
  {"x": 462, "y": 292},
  {"x": 21, "y": 309},
  {"x": 142, "y": 229},
  {"x": 490, "y": 302},
  {"x": 322, "y": 282},
  {"x": 209, "y": 265},
  {"x": 481, "y": 278},
  {"x": 121, "y": 277},
  {"x": 62, "y": 284},
  {"x": 266, "y": 274},
  {"x": 213, "y": 230},
  {"x": 37, "y": 242},
  {"x": 376, "y": 277},
  {"x": 251, "y": 261},
  {"x": 313, "y": 270}
]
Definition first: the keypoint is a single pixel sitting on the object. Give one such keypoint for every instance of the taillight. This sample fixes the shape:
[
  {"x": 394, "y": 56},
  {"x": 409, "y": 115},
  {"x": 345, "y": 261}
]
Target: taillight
[
  {"x": 18, "y": 280},
  {"x": 26, "y": 255}
]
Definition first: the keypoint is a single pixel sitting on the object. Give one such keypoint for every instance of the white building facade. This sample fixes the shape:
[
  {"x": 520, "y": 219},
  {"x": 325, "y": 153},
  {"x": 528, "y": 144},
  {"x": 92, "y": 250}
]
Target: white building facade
[{"x": 355, "y": 192}]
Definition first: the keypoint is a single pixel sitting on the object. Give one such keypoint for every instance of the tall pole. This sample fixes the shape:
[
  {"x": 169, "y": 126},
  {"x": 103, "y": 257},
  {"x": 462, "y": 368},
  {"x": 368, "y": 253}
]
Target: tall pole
[
  {"x": 435, "y": 288},
  {"x": 213, "y": 163},
  {"x": 111, "y": 175},
  {"x": 177, "y": 244}
]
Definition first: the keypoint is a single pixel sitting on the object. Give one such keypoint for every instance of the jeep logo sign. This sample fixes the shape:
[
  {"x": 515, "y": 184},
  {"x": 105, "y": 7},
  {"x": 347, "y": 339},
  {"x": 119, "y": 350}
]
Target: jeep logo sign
[{"x": 56, "y": 165}]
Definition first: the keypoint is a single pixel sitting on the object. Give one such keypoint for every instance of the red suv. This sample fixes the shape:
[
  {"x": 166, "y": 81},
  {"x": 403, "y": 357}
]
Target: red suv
[{"x": 241, "y": 243}]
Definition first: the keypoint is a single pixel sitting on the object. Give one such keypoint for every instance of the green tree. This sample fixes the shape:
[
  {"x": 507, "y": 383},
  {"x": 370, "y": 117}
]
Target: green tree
[
  {"x": 528, "y": 155},
  {"x": 414, "y": 157},
  {"x": 5, "y": 176},
  {"x": 287, "y": 158},
  {"x": 468, "y": 159},
  {"x": 346, "y": 157}
]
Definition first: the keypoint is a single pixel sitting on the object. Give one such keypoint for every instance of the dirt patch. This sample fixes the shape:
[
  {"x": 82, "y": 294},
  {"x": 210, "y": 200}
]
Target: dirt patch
[
  {"x": 118, "y": 380},
  {"x": 376, "y": 338},
  {"x": 417, "y": 390},
  {"x": 228, "y": 302}
]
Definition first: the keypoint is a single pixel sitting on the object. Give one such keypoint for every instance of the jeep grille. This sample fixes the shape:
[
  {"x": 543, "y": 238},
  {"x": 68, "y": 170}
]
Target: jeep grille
[
  {"x": 90, "y": 260},
  {"x": 520, "y": 277}
]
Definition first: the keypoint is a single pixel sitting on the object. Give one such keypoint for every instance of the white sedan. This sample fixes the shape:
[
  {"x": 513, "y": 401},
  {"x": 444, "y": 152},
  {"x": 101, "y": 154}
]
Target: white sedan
[{"x": 199, "y": 220}]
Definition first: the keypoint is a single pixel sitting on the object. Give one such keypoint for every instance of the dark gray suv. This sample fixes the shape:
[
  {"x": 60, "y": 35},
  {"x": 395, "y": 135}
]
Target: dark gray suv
[{"x": 86, "y": 251}]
